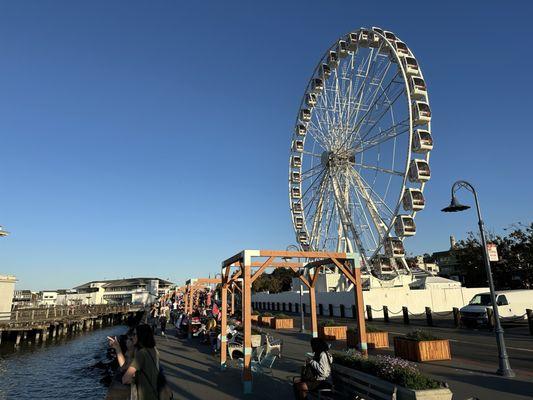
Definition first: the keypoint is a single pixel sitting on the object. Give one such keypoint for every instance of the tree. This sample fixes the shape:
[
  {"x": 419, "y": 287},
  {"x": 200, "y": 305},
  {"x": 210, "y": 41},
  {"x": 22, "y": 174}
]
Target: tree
[
  {"x": 515, "y": 266},
  {"x": 278, "y": 281}
]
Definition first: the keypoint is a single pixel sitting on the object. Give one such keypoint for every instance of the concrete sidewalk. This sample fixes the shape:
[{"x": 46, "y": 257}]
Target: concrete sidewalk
[{"x": 194, "y": 373}]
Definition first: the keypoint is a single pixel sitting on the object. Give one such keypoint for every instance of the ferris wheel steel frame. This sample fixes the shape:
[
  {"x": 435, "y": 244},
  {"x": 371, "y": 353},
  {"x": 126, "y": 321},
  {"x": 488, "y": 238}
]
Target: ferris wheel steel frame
[{"x": 342, "y": 196}]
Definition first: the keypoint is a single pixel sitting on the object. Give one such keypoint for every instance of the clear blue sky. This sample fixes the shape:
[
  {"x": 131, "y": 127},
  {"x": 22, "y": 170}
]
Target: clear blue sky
[{"x": 152, "y": 138}]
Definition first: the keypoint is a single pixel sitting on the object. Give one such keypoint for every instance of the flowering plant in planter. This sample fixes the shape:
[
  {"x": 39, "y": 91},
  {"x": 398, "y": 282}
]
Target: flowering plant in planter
[{"x": 391, "y": 369}]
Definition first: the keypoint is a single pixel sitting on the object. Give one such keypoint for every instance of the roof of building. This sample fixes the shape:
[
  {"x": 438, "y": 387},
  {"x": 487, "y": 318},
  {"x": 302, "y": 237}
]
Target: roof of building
[{"x": 125, "y": 282}]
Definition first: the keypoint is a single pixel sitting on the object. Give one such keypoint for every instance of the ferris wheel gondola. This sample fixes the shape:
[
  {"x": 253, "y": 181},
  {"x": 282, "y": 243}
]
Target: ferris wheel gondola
[{"x": 360, "y": 151}]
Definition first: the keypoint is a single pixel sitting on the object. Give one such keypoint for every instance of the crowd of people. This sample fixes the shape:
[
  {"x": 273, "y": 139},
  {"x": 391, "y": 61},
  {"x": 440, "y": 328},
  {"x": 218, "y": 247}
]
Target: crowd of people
[{"x": 137, "y": 359}]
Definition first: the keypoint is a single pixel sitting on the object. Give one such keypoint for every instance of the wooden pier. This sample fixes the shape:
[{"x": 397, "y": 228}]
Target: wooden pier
[{"x": 37, "y": 324}]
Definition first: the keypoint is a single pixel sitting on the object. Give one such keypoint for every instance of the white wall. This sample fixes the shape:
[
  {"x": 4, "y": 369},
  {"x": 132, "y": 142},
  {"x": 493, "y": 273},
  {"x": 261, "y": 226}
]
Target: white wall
[
  {"x": 7, "y": 287},
  {"x": 439, "y": 299}
]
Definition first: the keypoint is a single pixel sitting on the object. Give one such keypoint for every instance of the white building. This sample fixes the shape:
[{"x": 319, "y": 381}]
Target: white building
[
  {"x": 7, "y": 287},
  {"x": 48, "y": 298}
]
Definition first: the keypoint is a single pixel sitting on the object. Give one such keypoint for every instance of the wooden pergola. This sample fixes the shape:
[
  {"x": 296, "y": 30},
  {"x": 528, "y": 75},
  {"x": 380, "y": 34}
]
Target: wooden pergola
[
  {"x": 248, "y": 265},
  {"x": 192, "y": 286}
]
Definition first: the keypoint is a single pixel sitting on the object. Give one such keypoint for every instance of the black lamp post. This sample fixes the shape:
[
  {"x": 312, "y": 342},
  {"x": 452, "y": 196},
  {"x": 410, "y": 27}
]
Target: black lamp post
[{"x": 504, "y": 368}]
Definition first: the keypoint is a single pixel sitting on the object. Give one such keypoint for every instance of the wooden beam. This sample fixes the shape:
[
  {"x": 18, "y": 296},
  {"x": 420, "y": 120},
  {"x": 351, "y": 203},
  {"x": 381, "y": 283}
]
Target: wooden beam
[
  {"x": 299, "y": 254},
  {"x": 345, "y": 271},
  {"x": 305, "y": 281},
  {"x": 261, "y": 269}
]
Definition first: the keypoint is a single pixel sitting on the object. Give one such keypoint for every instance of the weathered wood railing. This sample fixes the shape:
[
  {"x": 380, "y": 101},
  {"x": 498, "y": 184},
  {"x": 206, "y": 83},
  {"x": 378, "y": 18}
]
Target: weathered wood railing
[{"x": 42, "y": 314}]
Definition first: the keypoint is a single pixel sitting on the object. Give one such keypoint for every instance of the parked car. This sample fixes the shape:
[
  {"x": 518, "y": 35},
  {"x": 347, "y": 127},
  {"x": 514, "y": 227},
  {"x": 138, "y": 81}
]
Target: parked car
[{"x": 512, "y": 305}]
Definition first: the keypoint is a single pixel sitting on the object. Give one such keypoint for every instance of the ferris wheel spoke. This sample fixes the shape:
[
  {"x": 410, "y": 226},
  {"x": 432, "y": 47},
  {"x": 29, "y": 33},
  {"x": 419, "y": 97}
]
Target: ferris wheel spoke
[
  {"x": 318, "y": 135},
  {"x": 373, "y": 210},
  {"x": 379, "y": 199},
  {"x": 312, "y": 154},
  {"x": 343, "y": 215},
  {"x": 359, "y": 124},
  {"x": 383, "y": 136},
  {"x": 376, "y": 168},
  {"x": 389, "y": 105},
  {"x": 312, "y": 183},
  {"x": 362, "y": 212}
]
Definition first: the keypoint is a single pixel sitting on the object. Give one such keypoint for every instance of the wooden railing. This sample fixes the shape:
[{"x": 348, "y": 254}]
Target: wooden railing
[{"x": 64, "y": 312}]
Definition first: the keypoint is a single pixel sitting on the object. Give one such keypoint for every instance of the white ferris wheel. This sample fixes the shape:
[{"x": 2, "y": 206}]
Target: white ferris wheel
[{"x": 360, "y": 151}]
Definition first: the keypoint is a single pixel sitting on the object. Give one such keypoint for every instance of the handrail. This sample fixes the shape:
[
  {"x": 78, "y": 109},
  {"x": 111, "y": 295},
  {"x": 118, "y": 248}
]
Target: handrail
[{"x": 62, "y": 312}]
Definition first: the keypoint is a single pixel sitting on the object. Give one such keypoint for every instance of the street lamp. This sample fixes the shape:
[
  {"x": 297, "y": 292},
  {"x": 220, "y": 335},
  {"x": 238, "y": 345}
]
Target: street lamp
[
  {"x": 302, "y": 324},
  {"x": 504, "y": 368}
]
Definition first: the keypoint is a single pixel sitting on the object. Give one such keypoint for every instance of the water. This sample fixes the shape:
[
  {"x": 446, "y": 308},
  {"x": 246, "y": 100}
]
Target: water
[{"x": 59, "y": 369}]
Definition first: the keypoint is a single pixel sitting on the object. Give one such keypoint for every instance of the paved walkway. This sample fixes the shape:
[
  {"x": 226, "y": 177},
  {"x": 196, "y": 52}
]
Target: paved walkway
[{"x": 195, "y": 374}]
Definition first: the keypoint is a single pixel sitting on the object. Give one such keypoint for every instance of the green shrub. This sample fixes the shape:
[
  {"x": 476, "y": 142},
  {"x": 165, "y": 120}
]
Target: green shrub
[
  {"x": 395, "y": 370},
  {"x": 255, "y": 312},
  {"x": 420, "y": 336},
  {"x": 267, "y": 314},
  {"x": 330, "y": 322},
  {"x": 282, "y": 316},
  {"x": 369, "y": 329}
]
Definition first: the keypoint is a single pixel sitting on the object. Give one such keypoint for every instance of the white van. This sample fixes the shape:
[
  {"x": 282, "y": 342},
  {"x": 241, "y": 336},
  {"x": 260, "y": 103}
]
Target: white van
[{"x": 512, "y": 305}]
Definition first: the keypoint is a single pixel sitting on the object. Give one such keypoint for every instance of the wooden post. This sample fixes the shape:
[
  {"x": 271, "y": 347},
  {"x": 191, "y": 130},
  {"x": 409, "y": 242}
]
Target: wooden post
[
  {"x": 529, "y": 314},
  {"x": 224, "y": 325},
  {"x": 429, "y": 316},
  {"x": 405, "y": 311},
  {"x": 232, "y": 312},
  {"x": 456, "y": 317},
  {"x": 330, "y": 310},
  {"x": 17, "y": 340},
  {"x": 37, "y": 337},
  {"x": 385, "y": 313},
  {"x": 312, "y": 305},
  {"x": 369, "y": 312},
  {"x": 246, "y": 299},
  {"x": 359, "y": 303}
]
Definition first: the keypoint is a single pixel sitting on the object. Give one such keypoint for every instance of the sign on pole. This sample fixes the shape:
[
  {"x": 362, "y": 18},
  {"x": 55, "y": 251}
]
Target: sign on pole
[{"x": 492, "y": 249}]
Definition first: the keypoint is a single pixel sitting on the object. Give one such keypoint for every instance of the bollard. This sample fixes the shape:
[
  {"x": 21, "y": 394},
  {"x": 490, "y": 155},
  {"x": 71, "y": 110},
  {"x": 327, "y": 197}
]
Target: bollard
[
  {"x": 385, "y": 314},
  {"x": 320, "y": 309},
  {"x": 369, "y": 313},
  {"x": 354, "y": 312},
  {"x": 296, "y": 308},
  {"x": 343, "y": 311},
  {"x": 490, "y": 318},
  {"x": 456, "y": 317},
  {"x": 330, "y": 309},
  {"x": 405, "y": 315},
  {"x": 529, "y": 314},
  {"x": 303, "y": 308},
  {"x": 429, "y": 316}
]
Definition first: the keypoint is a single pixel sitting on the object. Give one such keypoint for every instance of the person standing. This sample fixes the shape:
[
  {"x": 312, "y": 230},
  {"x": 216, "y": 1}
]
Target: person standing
[
  {"x": 163, "y": 318},
  {"x": 143, "y": 371}
]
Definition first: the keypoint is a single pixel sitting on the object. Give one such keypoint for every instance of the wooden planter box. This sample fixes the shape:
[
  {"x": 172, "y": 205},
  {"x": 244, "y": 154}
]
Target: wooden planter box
[
  {"x": 332, "y": 332},
  {"x": 255, "y": 318},
  {"x": 374, "y": 340},
  {"x": 283, "y": 323},
  {"x": 351, "y": 383},
  {"x": 428, "y": 350},
  {"x": 266, "y": 321}
]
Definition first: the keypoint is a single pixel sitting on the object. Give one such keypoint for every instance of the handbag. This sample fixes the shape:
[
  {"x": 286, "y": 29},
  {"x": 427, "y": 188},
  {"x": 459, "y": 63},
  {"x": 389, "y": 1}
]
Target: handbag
[{"x": 307, "y": 373}]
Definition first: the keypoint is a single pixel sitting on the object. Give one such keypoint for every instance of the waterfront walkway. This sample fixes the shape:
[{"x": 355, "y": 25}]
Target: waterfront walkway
[{"x": 194, "y": 373}]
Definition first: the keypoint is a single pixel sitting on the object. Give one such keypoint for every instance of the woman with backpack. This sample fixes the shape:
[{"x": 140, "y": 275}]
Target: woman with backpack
[{"x": 143, "y": 372}]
